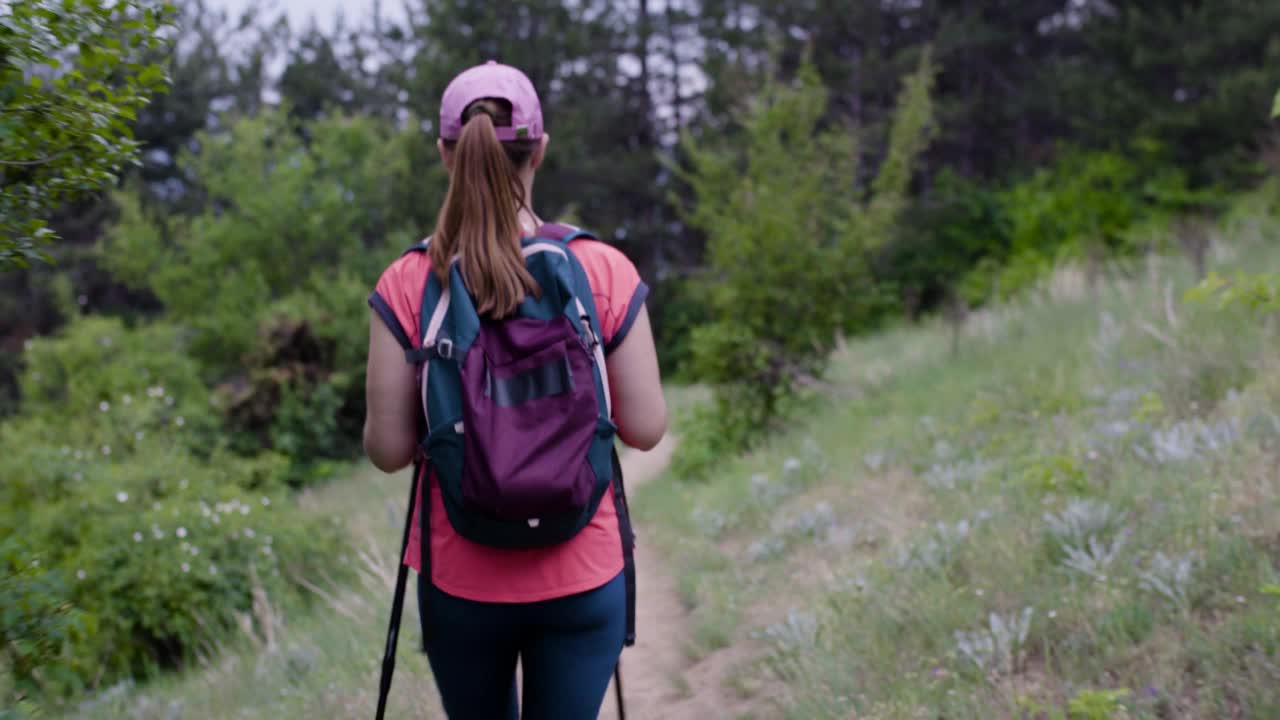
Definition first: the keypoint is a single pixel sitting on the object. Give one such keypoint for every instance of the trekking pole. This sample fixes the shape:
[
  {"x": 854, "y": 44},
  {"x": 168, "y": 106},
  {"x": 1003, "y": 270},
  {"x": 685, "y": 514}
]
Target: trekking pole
[
  {"x": 397, "y": 605},
  {"x": 617, "y": 687}
]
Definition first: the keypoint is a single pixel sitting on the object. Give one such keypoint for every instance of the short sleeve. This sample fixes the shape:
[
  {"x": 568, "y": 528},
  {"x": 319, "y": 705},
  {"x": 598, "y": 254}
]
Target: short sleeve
[
  {"x": 396, "y": 296},
  {"x": 616, "y": 286}
]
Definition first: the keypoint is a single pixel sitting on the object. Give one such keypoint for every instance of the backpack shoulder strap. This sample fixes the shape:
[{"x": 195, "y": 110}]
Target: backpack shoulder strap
[
  {"x": 564, "y": 233},
  {"x": 420, "y": 246}
]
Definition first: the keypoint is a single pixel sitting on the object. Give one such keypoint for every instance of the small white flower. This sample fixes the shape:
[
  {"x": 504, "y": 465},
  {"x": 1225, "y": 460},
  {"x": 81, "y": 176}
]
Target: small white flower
[
  {"x": 186, "y": 567},
  {"x": 122, "y": 496},
  {"x": 81, "y": 574},
  {"x": 28, "y": 345},
  {"x": 106, "y": 449},
  {"x": 104, "y": 406},
  {"x": 35, "y": 563},
  {"x": 156, "y": 532},
  {"x": 182, "y": 532},
  {"x": 139, "y": 435},
  {"x": 183, "y": 484},
  {"x": 179, "y": 421},
  {"x": 791, "y": 464},
  {"x": 248, "y": 532},
  {"x": 79, "y": 454},
  {"x": 79, "y": 476},
  {"x": 266, "y": 502},
  {"x": 127, "y": 399},
  {"x": 194, "y": 551},
  {"x": 157, "y": 507},
  {"x": 244, "y": 509},
  {"x": 1093, "y": 454},
  {"x": 979, "y": 592},
  {"x": 216, "y": 519},
  {"x": 66, "y": 450},
  {"x": 137, "y": 537},
  {"x": 1240, "y": 599},
  {"x": 168, "y": 400},
  {"x": 213, "y": 569},
  {"x": 1053, "y": 614},
  {"x": 267, "y": 539},
  {"x": 266, "y": 549}
]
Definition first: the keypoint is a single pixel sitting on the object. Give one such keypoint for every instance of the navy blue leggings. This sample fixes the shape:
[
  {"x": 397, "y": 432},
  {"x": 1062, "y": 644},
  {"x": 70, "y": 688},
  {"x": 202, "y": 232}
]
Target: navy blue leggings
[{"x": 568, "y": 648}]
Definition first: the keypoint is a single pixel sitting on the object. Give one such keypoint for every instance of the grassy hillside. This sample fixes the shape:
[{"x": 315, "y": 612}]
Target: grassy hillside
[{"x": 1077, "y": 516}]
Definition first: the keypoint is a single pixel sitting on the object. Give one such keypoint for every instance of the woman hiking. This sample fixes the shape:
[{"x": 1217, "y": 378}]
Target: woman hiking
[{"x": 517, "y": 362}]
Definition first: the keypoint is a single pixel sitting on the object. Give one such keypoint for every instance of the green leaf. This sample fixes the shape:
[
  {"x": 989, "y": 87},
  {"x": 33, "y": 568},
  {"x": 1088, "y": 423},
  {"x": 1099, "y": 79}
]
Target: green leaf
[{"x": 1275, "y": 107}]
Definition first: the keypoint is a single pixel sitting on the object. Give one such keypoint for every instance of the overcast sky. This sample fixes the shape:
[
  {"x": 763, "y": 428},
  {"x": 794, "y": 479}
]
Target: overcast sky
[{"x": 357, "y": 12}]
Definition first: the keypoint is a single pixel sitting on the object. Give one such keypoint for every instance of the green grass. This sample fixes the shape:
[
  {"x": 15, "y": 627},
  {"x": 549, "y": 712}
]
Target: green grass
[{"x": 865, "y": 552}]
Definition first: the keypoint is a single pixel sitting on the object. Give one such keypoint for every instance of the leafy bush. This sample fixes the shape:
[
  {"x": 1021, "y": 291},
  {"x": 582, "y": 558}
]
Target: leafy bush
[
  {"x": 151, "y": 536},
  {"x": 787, "y": 248},
  {"x": 1089, "y": 205},
  {"x": 65, "y": 127},
  {"x": 271, "y": 278}
]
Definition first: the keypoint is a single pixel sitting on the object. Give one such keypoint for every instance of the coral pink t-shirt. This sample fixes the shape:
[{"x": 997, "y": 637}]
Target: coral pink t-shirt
[{"x": 472, "y": 571}]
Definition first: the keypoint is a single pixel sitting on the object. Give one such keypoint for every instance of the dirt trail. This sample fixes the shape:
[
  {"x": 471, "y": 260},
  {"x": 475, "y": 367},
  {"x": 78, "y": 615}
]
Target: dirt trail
[{"x": 651, "y": 667}]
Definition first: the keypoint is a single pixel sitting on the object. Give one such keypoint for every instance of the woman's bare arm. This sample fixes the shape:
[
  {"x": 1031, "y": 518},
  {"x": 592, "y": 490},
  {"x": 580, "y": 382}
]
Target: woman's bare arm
[
  {"x": 639, "y": 407},
  {"x": 390, "y": 395}
]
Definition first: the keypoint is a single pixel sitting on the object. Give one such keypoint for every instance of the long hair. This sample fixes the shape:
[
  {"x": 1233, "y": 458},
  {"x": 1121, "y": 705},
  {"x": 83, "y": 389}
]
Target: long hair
[{"x": 479, "y": 222}]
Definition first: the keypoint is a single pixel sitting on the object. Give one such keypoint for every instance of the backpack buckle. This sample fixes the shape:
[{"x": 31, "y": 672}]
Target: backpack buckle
[{"x": 444, "y": 348}]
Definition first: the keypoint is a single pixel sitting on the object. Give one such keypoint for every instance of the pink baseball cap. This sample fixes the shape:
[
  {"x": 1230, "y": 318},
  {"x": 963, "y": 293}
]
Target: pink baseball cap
[{"x": 492, "y": 80}]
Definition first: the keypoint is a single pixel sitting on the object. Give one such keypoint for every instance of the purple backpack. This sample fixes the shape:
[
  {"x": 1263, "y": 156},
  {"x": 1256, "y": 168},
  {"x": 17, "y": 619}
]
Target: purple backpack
[{"x": 517, "y": 412}]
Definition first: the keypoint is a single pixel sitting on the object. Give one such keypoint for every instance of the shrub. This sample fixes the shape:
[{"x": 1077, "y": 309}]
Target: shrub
[
  {"x": 787, "y": 246},
  {"x": 270, "y": 280},
  {"x": 151, "y": 537}
]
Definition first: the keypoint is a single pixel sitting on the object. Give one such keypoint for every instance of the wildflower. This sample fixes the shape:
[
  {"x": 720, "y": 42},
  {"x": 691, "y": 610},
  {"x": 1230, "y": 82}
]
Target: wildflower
[
  {"x": 182, "y": 532},
  {"x": 194, "y": 551},
  {"x": 104, "y": 406},
  {"x": 81, "y": 574},
  {"x": 244, "y": 509},
  {"x": 157, "y": 507},
  {"x": 266, "y": 502},
  {"x": 186, "y": 567},
  {"x": 66, "y": 450},
  {"x": 106, "y": 449},
  {"x": 79, "y": 454},
  {"x": 183, "y": 484},
  {"x": 1240, "y": 599},
  {"x": 1053, "y": 614},
  {"x": 122, "y": 496},
  {"x": 266, "y": 550},
  {"x": 213, "y": 569},
  {"x": 168, "y": 400},
  {"x": 179, "y": 421},
  {"x": 156, "y": 532},
  {"x": 139, "y": 435},
  {"x": 127, "y": 399},
  {"x": 137, "y": 537},
  {"x": 248, "y": 532},
  {"x": 791, "y": 464},
  {"x": 267, "y": 539},
  {"x": 79, "y": 476},
  {"x": 215, "y": 519}
]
